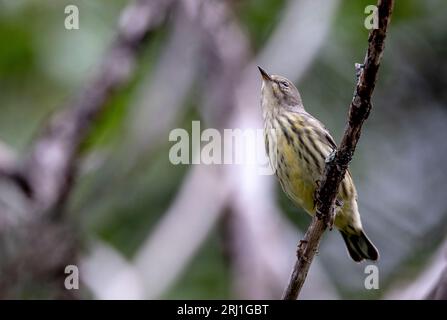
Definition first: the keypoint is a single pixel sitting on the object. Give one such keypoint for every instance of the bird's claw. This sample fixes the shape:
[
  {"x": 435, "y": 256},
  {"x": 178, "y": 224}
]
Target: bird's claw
[
  {"x": 331, "y": 156},
  {"x": 339, "y": 203}
]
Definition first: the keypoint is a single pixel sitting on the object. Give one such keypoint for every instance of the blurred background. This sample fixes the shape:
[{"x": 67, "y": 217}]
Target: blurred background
[{"x": 148, "y": 229}]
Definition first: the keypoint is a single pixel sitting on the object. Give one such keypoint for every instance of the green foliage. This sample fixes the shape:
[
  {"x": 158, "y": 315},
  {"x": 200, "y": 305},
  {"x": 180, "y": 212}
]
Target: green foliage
[{"x": 17, "y": 53}]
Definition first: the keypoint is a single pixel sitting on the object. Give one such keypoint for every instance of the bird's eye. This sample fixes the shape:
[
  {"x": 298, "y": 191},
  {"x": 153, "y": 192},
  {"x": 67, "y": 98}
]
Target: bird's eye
[{"x": 284, "y": 84}]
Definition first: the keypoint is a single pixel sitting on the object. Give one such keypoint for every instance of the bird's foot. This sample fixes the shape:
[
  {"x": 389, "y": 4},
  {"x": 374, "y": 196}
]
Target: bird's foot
[
  {"x": 331, "y": 156},
  {"x": 339, "y": 203},
  {"x": 328, "y": 220}
]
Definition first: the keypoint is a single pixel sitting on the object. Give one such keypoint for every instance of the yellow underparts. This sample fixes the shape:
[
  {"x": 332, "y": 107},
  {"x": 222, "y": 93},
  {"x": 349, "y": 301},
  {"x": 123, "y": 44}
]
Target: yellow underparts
[{"x": 299, "y": 163}]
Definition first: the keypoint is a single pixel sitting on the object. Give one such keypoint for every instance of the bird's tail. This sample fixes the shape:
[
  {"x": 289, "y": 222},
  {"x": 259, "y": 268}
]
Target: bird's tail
[{"x": 360, "y": 247}]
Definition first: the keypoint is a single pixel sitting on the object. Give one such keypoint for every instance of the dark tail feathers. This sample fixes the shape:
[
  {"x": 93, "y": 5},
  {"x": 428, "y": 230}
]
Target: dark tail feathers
[{"x": 360, "y": 247}]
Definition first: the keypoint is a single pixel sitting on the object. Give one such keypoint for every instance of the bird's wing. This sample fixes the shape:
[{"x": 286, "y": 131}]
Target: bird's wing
[
  {"x": 330, "y": 140},
  {"x": 325, "y": 136}
]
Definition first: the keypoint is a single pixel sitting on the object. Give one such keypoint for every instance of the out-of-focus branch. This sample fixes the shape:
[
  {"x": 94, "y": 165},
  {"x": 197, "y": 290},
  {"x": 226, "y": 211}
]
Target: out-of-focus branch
[
  {"x": 425, "y": 285},
  {"x": 9, "y": 168},
  {"x": 109, "y": 275},
  {"x": 439, "y": 289},
  {"x": 50, "y": 167},
  {"x": 336, "y": 168},
  {"x": 303, "y": 22},
  {"x": 226, "y": 54},
  {"x": 190, "y": 218},
  {"x": 149, "y": 120},
  {"x": 220, "y": 38},
  {"x": 439, "y": 292}
]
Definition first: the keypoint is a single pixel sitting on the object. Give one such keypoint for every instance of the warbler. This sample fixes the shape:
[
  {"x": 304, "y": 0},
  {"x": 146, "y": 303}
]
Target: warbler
[{"x": 298, "y": 145}]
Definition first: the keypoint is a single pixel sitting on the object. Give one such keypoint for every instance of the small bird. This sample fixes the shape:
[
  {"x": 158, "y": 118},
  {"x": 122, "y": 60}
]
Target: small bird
[{"x": 298, "y": 145}]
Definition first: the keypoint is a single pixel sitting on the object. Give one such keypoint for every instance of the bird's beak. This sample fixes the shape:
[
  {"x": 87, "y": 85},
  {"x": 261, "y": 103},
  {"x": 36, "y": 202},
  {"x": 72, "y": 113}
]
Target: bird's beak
[{"x": 264, "y": 74}]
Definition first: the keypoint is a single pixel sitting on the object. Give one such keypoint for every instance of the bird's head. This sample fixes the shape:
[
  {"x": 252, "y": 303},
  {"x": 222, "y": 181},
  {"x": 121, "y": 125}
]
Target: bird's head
[{"x": 279, "y": 91}]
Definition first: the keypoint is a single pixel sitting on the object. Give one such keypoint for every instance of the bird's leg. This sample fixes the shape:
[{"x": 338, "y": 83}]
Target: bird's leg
[
  {"x": 331, "y": 156},
  {"x": 339, "y": 203}
]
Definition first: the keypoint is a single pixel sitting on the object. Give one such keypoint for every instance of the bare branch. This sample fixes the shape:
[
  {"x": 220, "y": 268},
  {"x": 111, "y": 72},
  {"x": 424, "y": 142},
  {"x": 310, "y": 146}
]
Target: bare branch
[
  {"x": 336, "y": 168},
  {"x": 304, "y": 21}
]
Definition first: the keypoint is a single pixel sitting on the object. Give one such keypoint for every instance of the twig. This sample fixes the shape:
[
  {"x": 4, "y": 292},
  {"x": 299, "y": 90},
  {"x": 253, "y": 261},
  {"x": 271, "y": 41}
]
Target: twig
[{"x": 337, "y": 166}]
